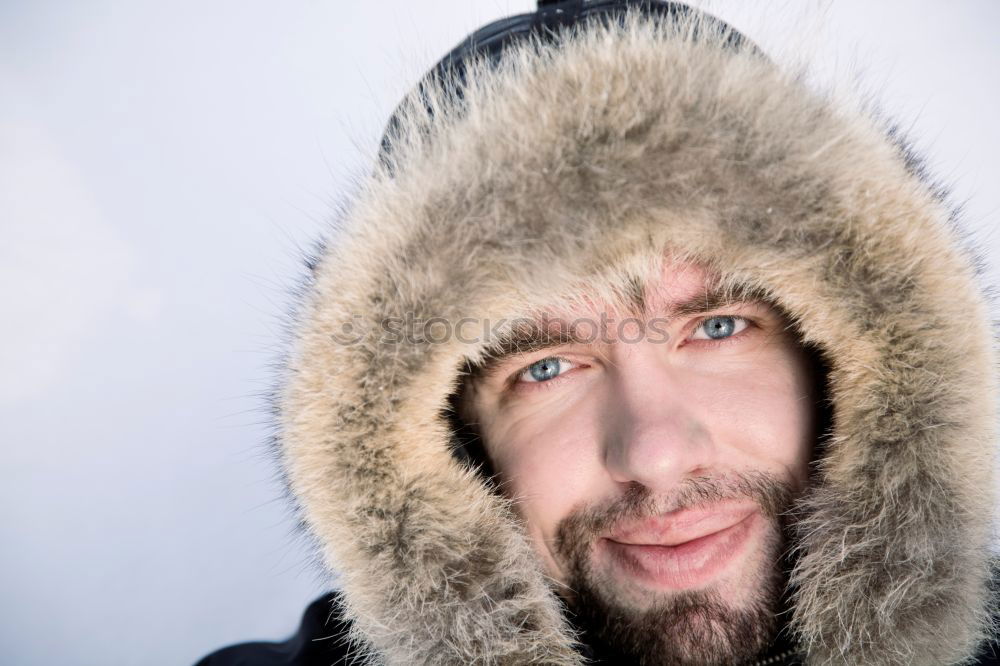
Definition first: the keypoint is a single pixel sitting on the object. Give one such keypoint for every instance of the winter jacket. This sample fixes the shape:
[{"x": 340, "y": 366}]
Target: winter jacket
[{"x": 564, "y": 147}]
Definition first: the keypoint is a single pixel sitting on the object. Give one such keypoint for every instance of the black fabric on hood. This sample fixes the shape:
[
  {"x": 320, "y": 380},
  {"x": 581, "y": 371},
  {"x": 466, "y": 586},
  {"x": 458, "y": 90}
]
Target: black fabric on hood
[{"x": 544, "y": 26}]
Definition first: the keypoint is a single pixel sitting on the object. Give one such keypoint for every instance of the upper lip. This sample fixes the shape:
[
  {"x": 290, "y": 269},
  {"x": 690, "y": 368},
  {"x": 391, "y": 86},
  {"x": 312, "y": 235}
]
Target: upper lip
[{"x": 677, "y": 527}]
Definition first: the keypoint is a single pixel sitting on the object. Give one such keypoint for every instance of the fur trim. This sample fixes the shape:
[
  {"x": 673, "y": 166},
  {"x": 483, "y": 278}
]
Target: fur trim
[{"x": 576, "y": 165}]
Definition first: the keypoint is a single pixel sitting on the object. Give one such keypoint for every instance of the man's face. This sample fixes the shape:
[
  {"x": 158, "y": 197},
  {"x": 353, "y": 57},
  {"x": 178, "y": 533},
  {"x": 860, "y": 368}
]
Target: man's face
[{"x": 650, "y": 468}]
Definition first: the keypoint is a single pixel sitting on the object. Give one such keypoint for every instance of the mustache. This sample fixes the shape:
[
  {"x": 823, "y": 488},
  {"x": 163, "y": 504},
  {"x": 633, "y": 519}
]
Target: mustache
[{"x": 773, "y": 495}]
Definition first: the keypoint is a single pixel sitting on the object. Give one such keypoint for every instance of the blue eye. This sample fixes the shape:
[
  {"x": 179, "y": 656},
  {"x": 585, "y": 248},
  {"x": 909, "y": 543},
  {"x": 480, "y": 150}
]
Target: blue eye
[
  {"x": 545, "y": 369},
  {"x": 718, "y": 328}
]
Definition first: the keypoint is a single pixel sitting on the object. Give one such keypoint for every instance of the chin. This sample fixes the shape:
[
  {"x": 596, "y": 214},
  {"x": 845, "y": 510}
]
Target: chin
[{"x": 726, "y": 621}]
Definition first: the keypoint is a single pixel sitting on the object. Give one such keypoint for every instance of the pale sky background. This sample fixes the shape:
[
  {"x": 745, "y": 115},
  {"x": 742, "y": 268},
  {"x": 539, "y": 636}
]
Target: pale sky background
[{"x": 160, "y": 164}]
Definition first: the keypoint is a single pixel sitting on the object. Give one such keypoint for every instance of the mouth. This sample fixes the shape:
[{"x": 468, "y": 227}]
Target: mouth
[{"x": 683, "y": 550}]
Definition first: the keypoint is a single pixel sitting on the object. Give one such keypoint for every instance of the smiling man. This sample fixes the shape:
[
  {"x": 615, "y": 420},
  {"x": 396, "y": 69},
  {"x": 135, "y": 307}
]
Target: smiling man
[
  {"x": 634, "y": 349},
  {"x": 652, "y": 461}
]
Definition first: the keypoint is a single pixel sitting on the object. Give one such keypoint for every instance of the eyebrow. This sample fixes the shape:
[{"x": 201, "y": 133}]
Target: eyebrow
[
  {"x": 716, "y": 297},
  {"x": 530, "y": 337}
]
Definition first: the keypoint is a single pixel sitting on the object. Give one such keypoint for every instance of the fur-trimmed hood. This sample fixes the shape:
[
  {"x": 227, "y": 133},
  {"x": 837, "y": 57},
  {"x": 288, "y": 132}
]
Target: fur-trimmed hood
[{"x": 576, "y": 163}]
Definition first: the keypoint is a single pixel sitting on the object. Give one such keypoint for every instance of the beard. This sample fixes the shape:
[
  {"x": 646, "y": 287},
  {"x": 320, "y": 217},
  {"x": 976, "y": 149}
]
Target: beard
[{"x": 681, "y": 628}]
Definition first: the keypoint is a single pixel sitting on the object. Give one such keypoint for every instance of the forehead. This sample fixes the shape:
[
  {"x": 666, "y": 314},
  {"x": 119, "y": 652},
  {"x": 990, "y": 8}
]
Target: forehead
[
  {"x": 674, "y": 283},
  {"x": 677, "y": 282}
]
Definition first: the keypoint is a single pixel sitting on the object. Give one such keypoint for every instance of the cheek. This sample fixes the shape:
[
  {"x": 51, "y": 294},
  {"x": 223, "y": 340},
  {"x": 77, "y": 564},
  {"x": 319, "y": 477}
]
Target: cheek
[
  {"x": 764, "y": 410},
  {"x": 550, "y": 463}
]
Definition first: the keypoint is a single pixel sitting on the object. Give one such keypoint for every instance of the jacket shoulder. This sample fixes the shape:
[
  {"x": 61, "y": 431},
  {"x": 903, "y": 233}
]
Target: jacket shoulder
[{"x": 321, "y": 639}]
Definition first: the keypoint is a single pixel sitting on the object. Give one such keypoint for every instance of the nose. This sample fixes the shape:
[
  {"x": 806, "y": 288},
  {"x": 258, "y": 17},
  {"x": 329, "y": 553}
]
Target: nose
[{"x": 655, "y": 430}]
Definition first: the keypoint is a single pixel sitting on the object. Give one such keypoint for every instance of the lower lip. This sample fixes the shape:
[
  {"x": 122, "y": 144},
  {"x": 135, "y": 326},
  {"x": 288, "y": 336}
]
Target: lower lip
[{"x": 686, "y": 565}]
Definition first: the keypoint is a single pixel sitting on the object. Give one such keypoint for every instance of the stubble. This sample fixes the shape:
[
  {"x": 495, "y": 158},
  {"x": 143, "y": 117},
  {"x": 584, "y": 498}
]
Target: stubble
[{"x": 687, "y": 628}]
